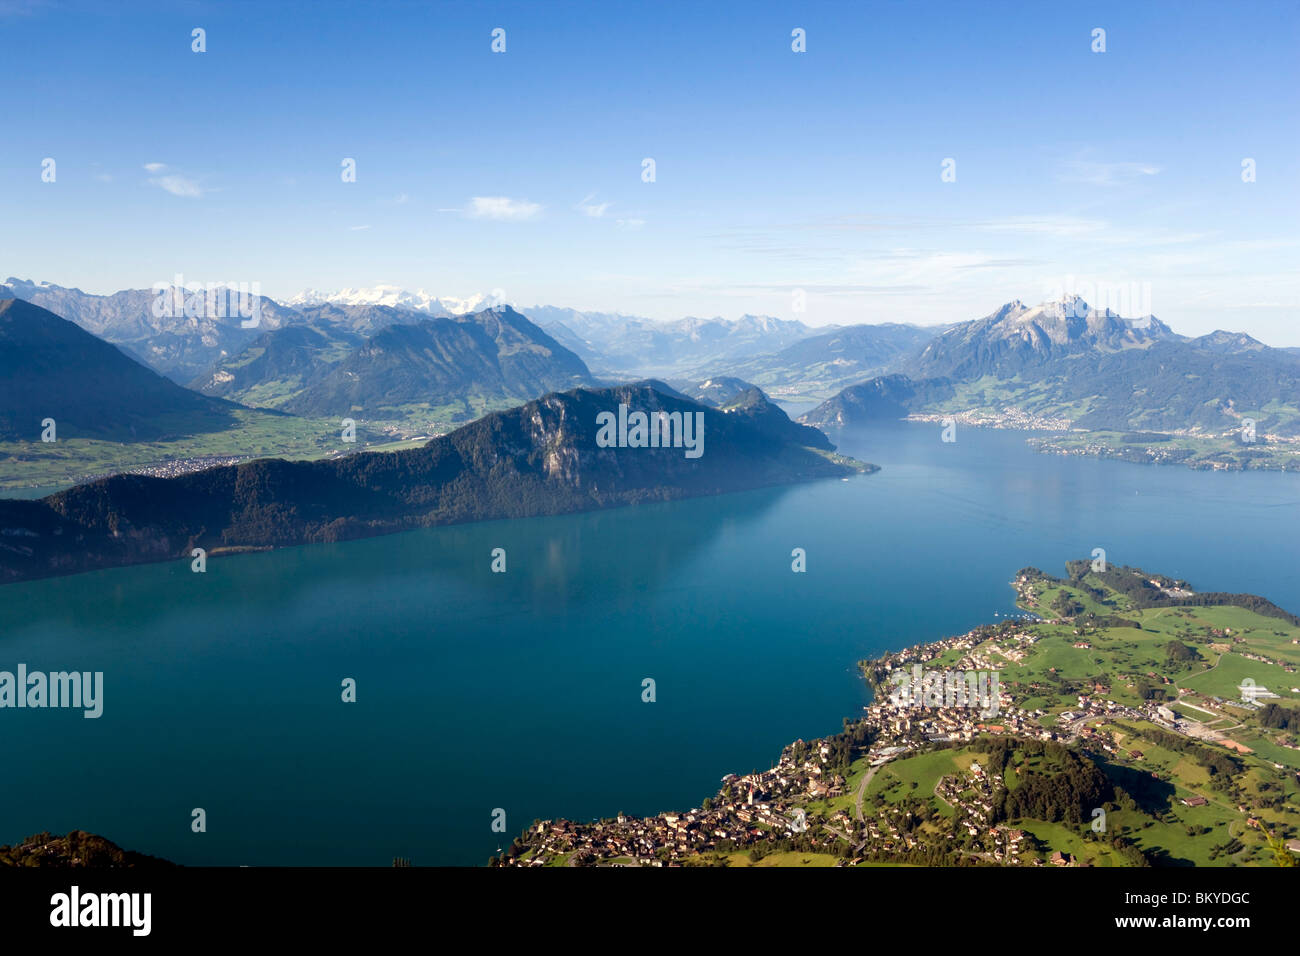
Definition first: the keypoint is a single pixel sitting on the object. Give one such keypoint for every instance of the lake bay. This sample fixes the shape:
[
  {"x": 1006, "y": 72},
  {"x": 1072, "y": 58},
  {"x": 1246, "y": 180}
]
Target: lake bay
[{"x": 523, "y": 690}]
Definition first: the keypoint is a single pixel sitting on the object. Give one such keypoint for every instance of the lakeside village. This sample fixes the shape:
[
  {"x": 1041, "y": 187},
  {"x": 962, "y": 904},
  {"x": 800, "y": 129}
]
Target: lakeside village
[
  {"x": 1224, "y": 451},
  {"x": 805, "y": 803},
  {"x": 971, "y": 769},
  {"x": 1009, "y": 418}
]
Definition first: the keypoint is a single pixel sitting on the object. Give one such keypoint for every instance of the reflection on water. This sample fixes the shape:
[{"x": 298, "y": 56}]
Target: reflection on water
[{"x": 522, "y": 690}]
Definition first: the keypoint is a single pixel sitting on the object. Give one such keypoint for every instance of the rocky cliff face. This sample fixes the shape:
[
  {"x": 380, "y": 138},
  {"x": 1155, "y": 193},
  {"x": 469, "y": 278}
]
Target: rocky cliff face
[{"x": 539, "y": 458}]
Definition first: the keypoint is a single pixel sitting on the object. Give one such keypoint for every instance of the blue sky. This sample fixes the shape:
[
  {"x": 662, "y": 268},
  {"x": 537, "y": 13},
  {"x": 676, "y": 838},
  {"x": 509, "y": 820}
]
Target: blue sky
[{"x": 775, "y": 170}]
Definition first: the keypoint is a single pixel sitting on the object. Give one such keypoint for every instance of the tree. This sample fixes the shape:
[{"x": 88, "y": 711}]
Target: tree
[{"x": 1281, "y": 855}]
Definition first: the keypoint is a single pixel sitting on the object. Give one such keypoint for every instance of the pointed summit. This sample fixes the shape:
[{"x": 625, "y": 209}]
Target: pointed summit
[{"x": 1015, "y": 337}]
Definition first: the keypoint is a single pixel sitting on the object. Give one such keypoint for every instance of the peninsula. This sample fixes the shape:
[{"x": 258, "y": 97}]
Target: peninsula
[
  {"x": 1137, "y": 723},
  {"x": 540, "y": 458}
]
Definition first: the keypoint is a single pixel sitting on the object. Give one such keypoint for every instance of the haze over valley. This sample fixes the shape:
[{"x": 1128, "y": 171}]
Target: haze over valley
[
  {"x": 533, "y": 436},
  {"x": 202, "y": 387}
]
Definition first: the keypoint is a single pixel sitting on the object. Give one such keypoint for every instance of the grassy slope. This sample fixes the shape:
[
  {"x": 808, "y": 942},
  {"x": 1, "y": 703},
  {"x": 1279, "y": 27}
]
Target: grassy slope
[
  {"x": 36, "y": 469},
  {"x": 1135, "y": 653},
  {"x": 990, "y": 396},
  {"x": 1166, "y": 829}
]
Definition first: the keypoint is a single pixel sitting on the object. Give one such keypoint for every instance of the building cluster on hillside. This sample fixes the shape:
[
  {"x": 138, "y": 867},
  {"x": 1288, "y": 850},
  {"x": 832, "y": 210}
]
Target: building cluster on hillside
[
  {"x": 756, "y": 807},
  {"x": 767, "y": 806},
  {"x": 803, "y": 800},
  {"x": 176, "y": 467},
  {"x": 1272, "y": 661},
  {"x": 1008, "y": 418}
]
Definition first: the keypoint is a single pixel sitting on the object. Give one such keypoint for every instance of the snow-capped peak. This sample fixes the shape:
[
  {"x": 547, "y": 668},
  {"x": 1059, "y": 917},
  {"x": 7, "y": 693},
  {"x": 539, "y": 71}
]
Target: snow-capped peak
[{"x": 394, "y": 297}]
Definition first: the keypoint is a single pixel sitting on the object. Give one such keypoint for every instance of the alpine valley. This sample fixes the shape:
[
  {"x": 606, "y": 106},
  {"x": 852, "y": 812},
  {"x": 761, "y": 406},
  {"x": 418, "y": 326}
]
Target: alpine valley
[
  {"x": 183, "y": 391},
  {"x": 456, "y": 500},
  {"x": 1101, "y": 384}
]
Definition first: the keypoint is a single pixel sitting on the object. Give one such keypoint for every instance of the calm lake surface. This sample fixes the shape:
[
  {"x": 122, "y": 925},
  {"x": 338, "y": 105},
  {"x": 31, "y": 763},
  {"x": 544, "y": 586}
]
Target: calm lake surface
[{"x": 523, "y": 690}]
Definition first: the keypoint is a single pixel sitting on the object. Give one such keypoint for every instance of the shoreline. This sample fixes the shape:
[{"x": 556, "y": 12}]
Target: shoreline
[
  {"x": 809, "y": 805},
  {"x": 1197, "y": 452}
]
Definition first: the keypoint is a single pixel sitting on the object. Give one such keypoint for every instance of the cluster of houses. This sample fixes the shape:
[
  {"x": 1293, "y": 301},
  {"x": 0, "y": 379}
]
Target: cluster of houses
[
  {"x": 907, "y": 728},
  {"x": 750, "y": 809},
  {"x": 972, "y": 796},
  {"x": 764, "y": 807},
  {"x": 1009, "y": 418},
  {"x": 767, "y": 806},
  {"x": 176, "y": 467}
]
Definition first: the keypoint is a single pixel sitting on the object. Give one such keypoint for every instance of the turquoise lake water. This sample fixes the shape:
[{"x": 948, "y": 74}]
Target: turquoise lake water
[{"x": 522, "y": 690}]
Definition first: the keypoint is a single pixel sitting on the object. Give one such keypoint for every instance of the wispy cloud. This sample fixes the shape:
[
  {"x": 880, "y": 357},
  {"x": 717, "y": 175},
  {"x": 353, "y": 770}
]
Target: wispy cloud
[
  {"x": 629, "y": 224},
  {"x": 358, "y": 228},
  {"x": 1060, "y": 227},
  {"x": 502, "y": 208},
  {"x": 1104, "y": 174},
  {"x": 1090, "y": 230},
  {"x": 591, "y": 208},
  {"x": 174, "y": 183}
]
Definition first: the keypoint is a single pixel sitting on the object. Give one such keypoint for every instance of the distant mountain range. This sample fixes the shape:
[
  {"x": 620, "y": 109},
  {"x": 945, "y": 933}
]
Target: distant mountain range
[
  {"x": 614, "y": 344},
  {"x": 786, "y": 357},
  {"x": 179, "y": 346},
  {"x": 385, "y": 353},
  {"x": 539, "y": 458},
  {"x": 1067, "y": 362},
  {"x": 184, "y": 347},
  {"x": 826, "y": 361},
  {"x": 53, "y": 369},
  {"x": 393, "y": 297},
  {"x": 278, "y": 364},
  {"x": 221, "y": 357},
  {"x": 370, "y": 361},
  {"x": 1017, "y": 338},
  {"x": 325, "y": 368}
]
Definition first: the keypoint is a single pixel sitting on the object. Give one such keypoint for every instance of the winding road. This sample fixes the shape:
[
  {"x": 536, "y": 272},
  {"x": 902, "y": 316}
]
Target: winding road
[{"x": 862, "y": 789}]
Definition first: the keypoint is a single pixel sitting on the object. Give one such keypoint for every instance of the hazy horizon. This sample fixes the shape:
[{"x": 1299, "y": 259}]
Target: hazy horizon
[
  {"x": 525, "y": 309},
  {"x": 775, "y": 170}
]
